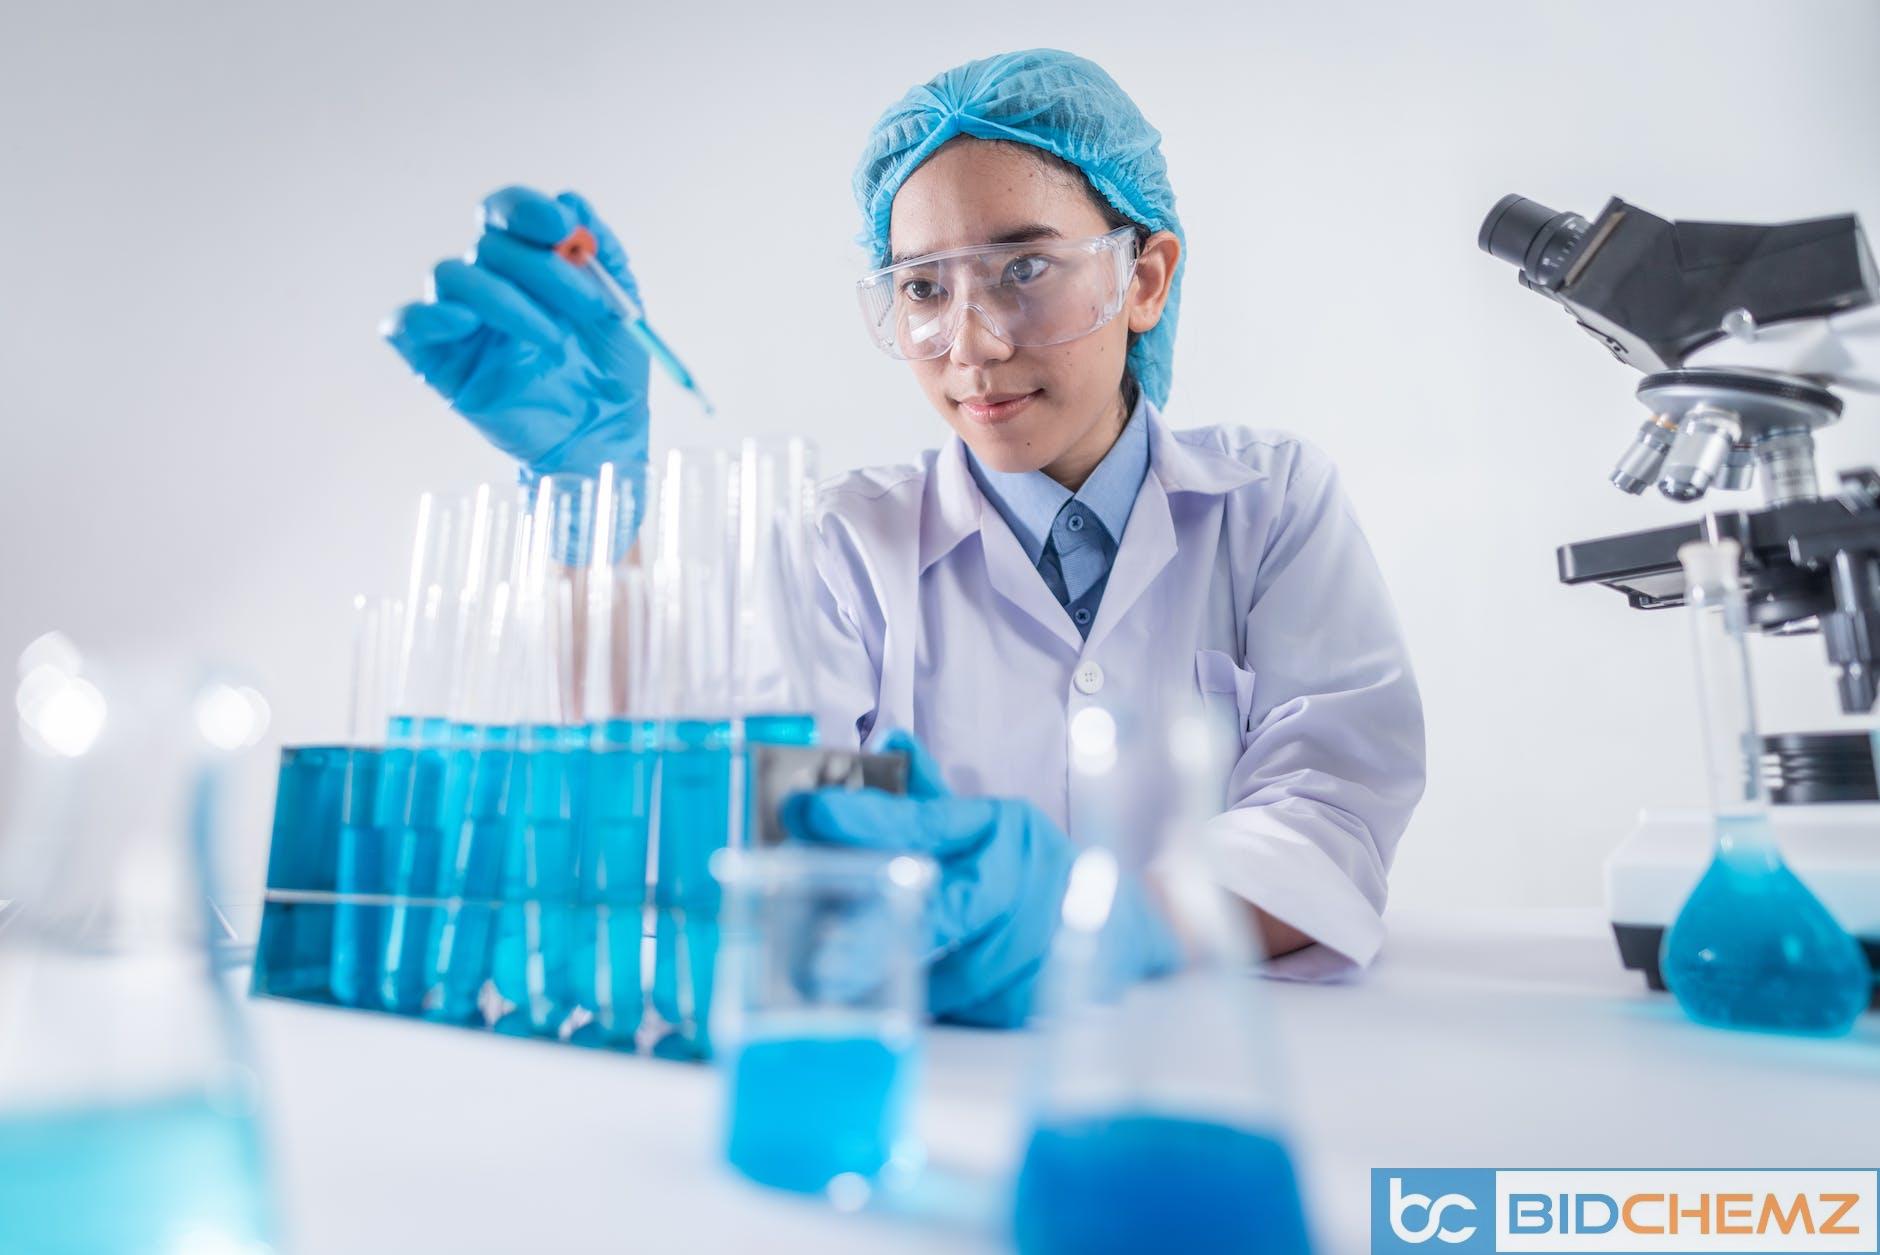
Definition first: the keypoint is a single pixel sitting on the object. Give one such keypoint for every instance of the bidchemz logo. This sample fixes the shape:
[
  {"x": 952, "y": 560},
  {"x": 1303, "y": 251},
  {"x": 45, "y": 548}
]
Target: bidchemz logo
[{"x": 1640, "y": 1211}]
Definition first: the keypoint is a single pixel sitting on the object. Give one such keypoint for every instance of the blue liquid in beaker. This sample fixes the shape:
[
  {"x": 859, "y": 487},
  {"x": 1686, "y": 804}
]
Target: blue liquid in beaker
[
  {"x": 170, "y": 1175},
  {"x": 805, "y": 1110},
  {"x": 1753, "y": 948},
  {"x": 1144, "y": 1182}
]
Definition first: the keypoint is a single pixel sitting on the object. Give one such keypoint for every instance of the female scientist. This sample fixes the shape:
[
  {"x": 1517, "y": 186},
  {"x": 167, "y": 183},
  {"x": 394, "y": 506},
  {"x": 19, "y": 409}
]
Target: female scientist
[{"x": 1064, "y": 548}]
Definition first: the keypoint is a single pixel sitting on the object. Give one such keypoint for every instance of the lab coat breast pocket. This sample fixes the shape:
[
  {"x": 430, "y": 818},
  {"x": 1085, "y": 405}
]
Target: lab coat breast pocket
[{"x": 1226, "y": 692}]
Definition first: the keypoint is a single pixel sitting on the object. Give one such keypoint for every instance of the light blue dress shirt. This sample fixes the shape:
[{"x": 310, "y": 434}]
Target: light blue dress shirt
[{"x": 1072, "y": 537}]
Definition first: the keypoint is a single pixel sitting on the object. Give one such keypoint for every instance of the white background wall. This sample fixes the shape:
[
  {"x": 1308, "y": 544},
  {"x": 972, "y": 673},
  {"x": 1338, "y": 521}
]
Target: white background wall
[{"x": 205, "y": 209}]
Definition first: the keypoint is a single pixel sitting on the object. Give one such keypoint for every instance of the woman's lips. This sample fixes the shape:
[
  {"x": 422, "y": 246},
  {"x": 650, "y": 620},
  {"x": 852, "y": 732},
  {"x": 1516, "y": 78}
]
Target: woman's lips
[{"x": 996, "y": 408}]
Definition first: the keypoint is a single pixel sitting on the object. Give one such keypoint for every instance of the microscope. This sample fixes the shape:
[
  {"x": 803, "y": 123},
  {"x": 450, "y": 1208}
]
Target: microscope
[{"x": 1745, "y": 334}]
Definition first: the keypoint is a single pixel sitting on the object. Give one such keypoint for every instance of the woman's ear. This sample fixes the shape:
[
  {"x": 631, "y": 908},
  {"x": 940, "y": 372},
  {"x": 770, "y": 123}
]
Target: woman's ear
[{"x": 1155, "y": 275}]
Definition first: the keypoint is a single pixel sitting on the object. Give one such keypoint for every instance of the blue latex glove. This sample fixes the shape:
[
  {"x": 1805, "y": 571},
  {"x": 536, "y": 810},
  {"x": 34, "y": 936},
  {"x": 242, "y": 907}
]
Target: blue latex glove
[
  {"x": 524, "y": 345},
  {"x": 1003, "y": 867}
]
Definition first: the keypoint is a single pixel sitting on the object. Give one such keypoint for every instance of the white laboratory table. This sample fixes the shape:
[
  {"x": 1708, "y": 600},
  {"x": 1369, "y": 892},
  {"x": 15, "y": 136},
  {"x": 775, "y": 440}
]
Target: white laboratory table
[{"x": 1485, "y": 1040}]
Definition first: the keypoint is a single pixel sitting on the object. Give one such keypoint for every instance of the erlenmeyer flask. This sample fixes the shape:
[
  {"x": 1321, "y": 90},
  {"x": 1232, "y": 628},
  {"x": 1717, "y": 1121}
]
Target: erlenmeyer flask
[
  {"x": 1751, "y": 947},
  {"x": 1158, "y": 1123},
  {"x": 127, "y": 1116}
]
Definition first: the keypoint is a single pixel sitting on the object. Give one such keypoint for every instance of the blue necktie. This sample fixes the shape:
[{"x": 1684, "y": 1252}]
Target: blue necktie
[{"x": 1076, "y": 561}]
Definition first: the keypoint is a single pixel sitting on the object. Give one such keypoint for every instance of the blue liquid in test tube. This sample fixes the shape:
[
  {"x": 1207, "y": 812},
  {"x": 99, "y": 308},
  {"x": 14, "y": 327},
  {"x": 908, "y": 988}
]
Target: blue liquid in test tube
[
  {"x": 695, "y": 792},
  {"x": 611, "y": 924},
  {"x": 410, "y": 808},
  {"x": 780, "y": 729},
  {"x": 359, "y": 870},
  {"x": 471, "y": 876},
  {"x": 535, "y": 938},
  {"x": 294, "y": 955},
  {"x": 694, "y": 821},
  {"x": 1148, "y": 1182}
]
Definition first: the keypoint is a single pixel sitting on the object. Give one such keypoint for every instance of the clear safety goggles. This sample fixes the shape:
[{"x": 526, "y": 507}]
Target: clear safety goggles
[{"x": 1027, "y": 295}]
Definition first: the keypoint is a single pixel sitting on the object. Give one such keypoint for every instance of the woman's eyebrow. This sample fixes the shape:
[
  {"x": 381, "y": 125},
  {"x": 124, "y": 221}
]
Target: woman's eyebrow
[{"x": 1017, "y": 235}]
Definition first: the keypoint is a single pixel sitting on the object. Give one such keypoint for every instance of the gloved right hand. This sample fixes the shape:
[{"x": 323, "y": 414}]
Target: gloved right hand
[
  {"x": 524, "y": 345},
  {"x": 1003, "y": 868}
]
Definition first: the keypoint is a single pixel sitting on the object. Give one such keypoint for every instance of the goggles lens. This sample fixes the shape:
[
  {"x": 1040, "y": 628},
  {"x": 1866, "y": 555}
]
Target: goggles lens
[{"x": 1027, "y": 295}]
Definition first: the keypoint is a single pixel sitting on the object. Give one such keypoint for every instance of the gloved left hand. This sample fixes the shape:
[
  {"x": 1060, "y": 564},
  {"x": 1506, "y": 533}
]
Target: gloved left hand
[
  {"x": 524, "y": 344},
  {"x": 1003, "y": 865}
]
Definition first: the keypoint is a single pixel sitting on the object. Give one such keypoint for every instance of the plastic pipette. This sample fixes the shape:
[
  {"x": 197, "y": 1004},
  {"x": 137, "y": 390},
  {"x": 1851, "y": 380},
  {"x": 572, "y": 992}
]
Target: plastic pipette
[{"x": 581, "y": 249}]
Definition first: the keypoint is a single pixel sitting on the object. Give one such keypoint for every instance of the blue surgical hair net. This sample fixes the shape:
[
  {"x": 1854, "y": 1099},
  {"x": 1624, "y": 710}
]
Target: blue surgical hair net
[{"x": 1054, "y": 101}]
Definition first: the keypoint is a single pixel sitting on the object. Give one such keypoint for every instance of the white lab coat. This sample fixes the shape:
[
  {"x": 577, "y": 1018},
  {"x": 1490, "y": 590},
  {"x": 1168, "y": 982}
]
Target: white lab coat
[{"x": 1242, "y": 572}]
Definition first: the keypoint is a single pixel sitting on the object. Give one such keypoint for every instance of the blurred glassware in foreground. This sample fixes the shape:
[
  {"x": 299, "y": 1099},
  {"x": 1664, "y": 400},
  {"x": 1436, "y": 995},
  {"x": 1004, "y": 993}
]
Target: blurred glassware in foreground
[
  {"x": 128, "y": 1114},
  {"x": 1157, "y": 1121},
  {"x": 818, "y": 1014}
]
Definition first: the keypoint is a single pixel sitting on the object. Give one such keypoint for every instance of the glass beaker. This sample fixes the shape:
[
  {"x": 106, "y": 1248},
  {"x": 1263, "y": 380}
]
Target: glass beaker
[
  {"x": 818, "y": 1013},
  {"x": 128, "y": 1116},
  {"x": 1751, "y": 947},
  {"x": 1157, "y": 1122}
]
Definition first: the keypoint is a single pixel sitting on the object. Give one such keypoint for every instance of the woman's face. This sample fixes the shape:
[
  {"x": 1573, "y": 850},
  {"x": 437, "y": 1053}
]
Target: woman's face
[{"x": 1056, "y": 408}]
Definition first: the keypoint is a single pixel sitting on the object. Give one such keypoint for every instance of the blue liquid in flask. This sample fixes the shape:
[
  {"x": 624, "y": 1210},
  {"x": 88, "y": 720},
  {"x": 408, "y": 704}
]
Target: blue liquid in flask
[
  {"x": 808, "y": 1109},
  {"x": 1144, "y": 1182},
  {"x": 165, "y": 1175},
  {"x": 1753, "y": 948}
]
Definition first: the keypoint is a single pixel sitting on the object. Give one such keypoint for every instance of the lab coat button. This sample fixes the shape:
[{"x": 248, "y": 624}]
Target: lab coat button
[{"x": 1088, "y": 679}]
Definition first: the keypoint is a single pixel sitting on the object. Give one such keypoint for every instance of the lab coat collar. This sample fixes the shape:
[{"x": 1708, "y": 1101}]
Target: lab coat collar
[
  {"x": 954, "y": 507},
  {"x": 1030, "y": 501},
  {"x": 1185, "y": 467}
]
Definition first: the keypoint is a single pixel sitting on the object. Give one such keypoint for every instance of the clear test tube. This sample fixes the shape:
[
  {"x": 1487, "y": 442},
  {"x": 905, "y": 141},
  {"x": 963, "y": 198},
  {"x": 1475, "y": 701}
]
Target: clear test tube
[
  {"x": 693, "y": 579},
  {"x": 414, "y": 813},
  {"x": 377, "y": 622},
  {"x": 359, "y": 856},
  {"x": 615, "y": 820},
  {"x": 773, "y": 649},
  {"x": 562, "y": 535},
  {"x": 483, "y": 760},
  {"x": 428, "y": 662},
  {"x": 535, "y": 945}
]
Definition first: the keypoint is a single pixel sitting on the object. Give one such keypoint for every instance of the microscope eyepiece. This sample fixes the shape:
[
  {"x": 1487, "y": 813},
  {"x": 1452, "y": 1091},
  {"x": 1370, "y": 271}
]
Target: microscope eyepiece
[{"x": 1530, "y": 236}]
